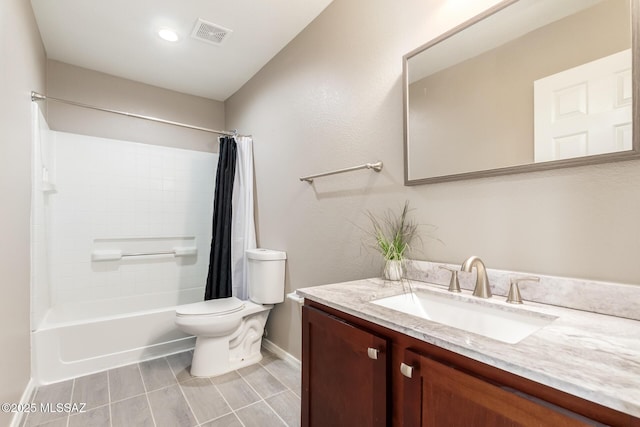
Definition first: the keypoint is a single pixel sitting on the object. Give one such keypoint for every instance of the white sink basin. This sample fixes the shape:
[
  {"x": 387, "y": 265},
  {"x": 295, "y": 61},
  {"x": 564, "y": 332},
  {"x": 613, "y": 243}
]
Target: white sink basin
[{"x": 502, "y": 323}]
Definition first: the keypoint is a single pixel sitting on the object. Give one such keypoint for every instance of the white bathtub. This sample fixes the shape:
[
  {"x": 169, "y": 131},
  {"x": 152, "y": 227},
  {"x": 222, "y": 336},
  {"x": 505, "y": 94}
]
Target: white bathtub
[{"x": 83, "y": 338}]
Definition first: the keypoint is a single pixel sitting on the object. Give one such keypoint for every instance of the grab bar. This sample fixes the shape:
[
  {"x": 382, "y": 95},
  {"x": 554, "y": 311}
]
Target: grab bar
[
  {"x": 114, "y": 255},
  {"x": 377, "y": 166}
]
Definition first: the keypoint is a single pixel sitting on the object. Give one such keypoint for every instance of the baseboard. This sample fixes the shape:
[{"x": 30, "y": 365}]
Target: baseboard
[
  {"x": 25, "y": 399},
  {"x": 268, "y": 345}
]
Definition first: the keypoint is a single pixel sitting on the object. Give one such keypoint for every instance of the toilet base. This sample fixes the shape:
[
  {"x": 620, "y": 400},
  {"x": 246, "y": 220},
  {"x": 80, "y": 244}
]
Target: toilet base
[{"x": 214, "y": 356}]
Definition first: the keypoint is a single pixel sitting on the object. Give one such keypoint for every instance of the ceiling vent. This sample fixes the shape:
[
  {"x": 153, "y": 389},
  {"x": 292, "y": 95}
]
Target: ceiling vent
[{"x": 209, "y": 32}]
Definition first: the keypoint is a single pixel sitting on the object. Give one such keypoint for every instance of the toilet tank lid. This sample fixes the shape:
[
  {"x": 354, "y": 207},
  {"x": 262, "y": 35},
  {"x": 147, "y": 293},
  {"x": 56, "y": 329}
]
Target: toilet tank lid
[
  {"x": 265, "y": 254},
  {"x": 214, "y": 306}
]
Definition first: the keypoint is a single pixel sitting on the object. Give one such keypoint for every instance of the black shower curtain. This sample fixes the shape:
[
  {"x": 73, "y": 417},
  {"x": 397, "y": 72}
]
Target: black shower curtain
[{"x": 219, "y": 277}]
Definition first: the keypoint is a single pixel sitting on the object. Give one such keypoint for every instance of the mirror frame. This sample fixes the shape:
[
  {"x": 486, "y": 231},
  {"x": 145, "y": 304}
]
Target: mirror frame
[{"x": 634, "y": 153}]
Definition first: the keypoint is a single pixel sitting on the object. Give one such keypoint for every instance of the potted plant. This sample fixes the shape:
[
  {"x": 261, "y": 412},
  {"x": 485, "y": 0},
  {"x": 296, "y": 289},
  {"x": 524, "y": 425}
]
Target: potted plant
[{"x": 393, "y": 235}]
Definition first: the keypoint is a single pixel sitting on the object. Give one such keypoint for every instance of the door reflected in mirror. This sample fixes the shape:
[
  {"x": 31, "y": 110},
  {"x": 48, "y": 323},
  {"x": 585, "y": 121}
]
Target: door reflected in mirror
[
  {"x": 529, "y": 85},
  {"x": 583, "y": 111}
]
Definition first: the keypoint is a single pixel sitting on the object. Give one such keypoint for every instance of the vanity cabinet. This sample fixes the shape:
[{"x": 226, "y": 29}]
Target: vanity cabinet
[
  {"x": 345, "y": 374},
  {"x": 358, "y": 373}
]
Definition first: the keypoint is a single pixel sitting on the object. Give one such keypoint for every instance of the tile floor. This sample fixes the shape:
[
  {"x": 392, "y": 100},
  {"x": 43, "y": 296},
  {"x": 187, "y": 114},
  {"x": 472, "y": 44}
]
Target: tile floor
[{"x": 161, "y": 392}]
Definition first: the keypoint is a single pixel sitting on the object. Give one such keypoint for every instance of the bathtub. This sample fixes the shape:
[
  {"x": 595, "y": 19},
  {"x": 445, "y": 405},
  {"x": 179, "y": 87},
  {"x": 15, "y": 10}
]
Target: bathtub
[{"x": 88, "y": 337}]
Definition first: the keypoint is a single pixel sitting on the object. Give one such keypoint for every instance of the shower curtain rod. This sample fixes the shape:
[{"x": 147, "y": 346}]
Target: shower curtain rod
[{"x": 35, "y": 96}]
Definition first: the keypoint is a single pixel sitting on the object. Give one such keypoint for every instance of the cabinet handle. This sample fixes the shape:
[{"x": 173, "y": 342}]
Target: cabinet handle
[
  {"x": 372, "y": 353},
  {"x": 406, "y": 370}
]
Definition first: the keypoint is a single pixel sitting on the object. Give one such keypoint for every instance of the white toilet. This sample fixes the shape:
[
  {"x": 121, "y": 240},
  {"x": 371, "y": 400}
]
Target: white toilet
[{"x": 228, "y": 330}]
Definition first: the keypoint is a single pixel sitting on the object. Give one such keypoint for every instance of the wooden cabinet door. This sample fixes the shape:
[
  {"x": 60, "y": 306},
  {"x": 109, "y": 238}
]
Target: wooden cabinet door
[
  {"x": 344, "y": 373},
  {"x": 439, "y": 395}
]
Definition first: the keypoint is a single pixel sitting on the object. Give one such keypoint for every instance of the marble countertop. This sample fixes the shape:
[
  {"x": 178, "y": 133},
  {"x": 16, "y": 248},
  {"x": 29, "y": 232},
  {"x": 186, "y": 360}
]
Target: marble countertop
[{"x": 593, "y": 356}]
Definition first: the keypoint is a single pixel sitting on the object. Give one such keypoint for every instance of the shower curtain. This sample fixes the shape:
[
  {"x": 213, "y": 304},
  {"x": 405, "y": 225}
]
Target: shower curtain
[
  {"x": 243, "y": 234},
  {"x": 233, "y": 220},
  {"x": 219, "y": 283}
]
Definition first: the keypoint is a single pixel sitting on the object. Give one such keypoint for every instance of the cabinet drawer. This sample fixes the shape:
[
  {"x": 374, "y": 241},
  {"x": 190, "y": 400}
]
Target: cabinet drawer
[{"x": 437, "y": 394}]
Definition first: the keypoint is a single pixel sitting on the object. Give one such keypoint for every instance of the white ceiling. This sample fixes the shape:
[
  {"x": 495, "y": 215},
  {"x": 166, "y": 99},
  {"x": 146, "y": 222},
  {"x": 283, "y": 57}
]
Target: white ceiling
[{"x": 119, "y": 37}]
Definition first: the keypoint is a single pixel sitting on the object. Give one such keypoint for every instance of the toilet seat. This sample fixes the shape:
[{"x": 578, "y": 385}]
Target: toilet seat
[{"x": 214, "y": 307}]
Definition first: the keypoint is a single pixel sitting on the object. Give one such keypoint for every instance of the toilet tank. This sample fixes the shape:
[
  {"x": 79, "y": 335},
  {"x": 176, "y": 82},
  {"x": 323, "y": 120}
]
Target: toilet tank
[{"x": 265, "y": 275}]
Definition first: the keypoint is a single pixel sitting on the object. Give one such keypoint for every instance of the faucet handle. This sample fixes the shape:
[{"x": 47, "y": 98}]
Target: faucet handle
[
  {"x": 514, "y": 290},
  {"x": 454, "y": 284}
]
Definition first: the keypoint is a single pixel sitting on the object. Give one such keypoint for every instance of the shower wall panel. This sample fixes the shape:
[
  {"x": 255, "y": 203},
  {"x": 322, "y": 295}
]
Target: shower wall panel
[
  {"x": 42, "y": 167},
  {"x": 115, "y": 195}
]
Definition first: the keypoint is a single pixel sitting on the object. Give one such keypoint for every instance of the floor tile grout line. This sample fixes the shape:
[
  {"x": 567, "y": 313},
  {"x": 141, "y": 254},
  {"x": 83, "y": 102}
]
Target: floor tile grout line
[
  {"x": 274, "y": 410},
  {"x": 222, "y": 416},
  {"x": 287, "y": 388},
  {"x": 195, "y": 417},
  {"x": 249, "y": 384},
  {"x": 23, "y": 422},
  {"x": 233, "y": 411},
  {"x": 274, "y": 376},
  {"x": 131, "y": 397},
  {"x": 184, "y": 396},
  {"x": 244, "y": 407},
  {"x": 237, "y": 371},
  {"x": 73, "y": 389},
  {"x": 247, "y": 405},
  {"x": 225, "y": 401},
  {"x": 278, "y": 379},
  {"x": 146, "y": 395},
  {"x": 262, "y": 399},
  {"x": 109, "y": 399}
]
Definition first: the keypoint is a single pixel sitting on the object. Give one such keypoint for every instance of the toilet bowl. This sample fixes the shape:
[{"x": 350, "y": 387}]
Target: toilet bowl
[{"x": 229, "y": 330}]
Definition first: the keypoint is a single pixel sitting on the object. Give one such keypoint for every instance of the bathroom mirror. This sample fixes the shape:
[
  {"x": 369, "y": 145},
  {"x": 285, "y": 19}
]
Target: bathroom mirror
[{"x": 527, "y": 85}]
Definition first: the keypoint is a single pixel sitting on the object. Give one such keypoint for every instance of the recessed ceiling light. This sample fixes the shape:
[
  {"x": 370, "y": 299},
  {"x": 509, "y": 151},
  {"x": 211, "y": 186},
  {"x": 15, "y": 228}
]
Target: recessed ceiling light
[{"x": 168, "y": 34}]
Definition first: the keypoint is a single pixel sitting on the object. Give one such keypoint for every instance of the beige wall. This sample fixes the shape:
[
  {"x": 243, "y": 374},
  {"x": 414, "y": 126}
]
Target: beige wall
[
  {"x": 22, "y": 69},
  {"x": 333, "y": 98},
  {"x": 94, "y": 88}
]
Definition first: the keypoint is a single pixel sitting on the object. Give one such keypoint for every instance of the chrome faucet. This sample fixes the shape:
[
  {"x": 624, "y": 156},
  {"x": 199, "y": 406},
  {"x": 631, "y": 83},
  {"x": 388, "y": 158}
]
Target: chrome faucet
[{"x": 482, "y": 289}]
